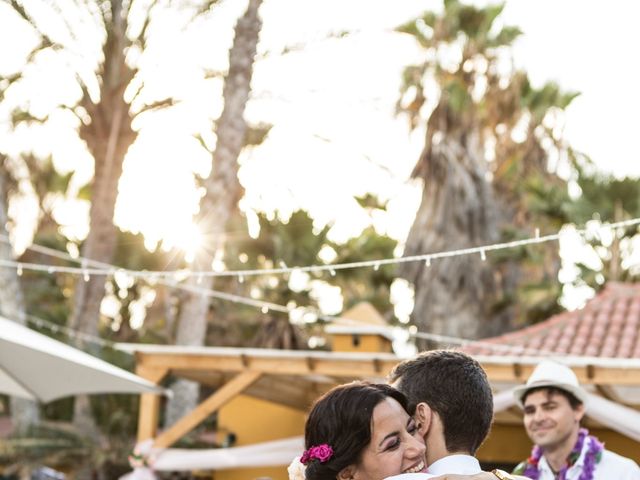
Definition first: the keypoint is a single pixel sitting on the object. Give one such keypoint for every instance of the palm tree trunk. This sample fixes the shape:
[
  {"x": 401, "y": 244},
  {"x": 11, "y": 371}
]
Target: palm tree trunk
[
  {"x": 223, "y": 190},
  {"x": 24, "y": 413},
  {"x": 453, "y": 295},
  {"x": 108, "y": 137}
]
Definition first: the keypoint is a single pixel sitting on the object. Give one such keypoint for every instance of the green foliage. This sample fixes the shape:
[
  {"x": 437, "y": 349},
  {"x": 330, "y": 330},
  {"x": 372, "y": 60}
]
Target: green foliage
[
  {"x": 47, "y": 443},
  {"x": 604, "y": 198},
  {"x": 256, "y": 134},
  {"x": 19, "y": 116},
  {"x": 539, "y": 101},
  {"x": 366, "y": 284},
  {"x": 296, "y": 241}
]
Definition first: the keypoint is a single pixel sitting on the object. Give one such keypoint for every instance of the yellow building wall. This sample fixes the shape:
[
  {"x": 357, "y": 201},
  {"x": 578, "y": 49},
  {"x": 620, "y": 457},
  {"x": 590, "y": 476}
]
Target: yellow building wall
[
  {"x": 510, "y": 444},
  {"x": 364, "y": 343},
  {"x": 255, "y": 421}
]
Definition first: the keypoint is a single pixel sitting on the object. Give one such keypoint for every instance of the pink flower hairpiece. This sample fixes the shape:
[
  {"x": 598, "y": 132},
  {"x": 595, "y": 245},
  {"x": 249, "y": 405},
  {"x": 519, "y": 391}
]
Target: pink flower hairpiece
[{"x": 322, "y": 453}]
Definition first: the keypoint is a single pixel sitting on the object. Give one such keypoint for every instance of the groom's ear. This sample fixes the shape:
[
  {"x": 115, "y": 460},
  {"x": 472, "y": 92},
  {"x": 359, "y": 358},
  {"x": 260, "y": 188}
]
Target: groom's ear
[
  {"x": 423, "y": 416},
  {"x": 347, "y": 473}
]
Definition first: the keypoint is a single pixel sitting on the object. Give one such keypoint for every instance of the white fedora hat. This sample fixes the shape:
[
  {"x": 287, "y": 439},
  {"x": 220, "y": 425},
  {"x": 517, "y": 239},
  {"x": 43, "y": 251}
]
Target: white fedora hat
[{"x": 552, "y": 374}]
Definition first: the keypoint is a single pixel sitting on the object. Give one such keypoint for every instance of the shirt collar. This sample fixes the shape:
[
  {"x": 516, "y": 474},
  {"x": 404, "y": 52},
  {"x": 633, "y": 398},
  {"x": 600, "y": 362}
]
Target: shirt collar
[
  {"x": 544, "y": 465},
  {"x": 460, "y": 464}
]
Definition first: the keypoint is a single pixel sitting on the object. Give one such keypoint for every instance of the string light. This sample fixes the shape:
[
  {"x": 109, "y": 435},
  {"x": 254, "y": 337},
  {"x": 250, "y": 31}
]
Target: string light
[
  {"x": 314, "y": 268},
  {"x": 267, "y": 306},
  {"x": 106, "y": 269},
  {"x": 483, "y": 255},
  {"x": 22, "y": 318}
]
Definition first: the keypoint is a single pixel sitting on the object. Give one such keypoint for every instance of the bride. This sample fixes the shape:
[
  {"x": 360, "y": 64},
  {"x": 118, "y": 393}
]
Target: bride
[{"x": 362, "y": 431}]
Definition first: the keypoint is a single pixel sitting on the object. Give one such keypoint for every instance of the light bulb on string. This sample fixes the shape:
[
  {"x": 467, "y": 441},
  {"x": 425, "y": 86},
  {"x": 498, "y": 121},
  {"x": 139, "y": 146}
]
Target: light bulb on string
[
  {"x": 265, "y": 309},
  {"x": 240, "y": 278},
  {"x": 427, "y": 262},
  {"x": 50, "y": 270},
  {"x": 483, "y": 255},
  {"x": 19, "y": 270},
  {"x": 332, "y": 272},
  {"x": 537, "y": 233},
  {"x": 86, "y": 276}
]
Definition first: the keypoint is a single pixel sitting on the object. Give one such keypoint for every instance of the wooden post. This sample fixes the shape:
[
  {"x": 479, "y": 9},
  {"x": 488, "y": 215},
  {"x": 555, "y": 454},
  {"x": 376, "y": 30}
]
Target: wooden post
[
  {"x": 206, "y": 408},
  {"x": 149, "y": 403}
]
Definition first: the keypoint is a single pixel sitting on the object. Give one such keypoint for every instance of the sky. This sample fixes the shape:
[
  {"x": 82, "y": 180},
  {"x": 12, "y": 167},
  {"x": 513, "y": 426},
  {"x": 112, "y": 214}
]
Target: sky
[{"x": 331, "y": 104}]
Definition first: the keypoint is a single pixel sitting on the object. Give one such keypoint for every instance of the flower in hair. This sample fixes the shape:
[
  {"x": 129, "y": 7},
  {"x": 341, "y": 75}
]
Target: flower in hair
[
  {"x": 322, "y": 453},
  {"x": 296, "y": 470}
]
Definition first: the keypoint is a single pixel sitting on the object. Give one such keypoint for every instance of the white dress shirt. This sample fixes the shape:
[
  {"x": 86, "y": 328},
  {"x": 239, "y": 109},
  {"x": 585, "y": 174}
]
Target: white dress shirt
[{"x": 460, "y": 464}]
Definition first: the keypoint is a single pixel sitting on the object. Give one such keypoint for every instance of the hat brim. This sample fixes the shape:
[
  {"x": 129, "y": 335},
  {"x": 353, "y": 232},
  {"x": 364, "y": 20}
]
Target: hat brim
[{"x": 578, "y": 392}]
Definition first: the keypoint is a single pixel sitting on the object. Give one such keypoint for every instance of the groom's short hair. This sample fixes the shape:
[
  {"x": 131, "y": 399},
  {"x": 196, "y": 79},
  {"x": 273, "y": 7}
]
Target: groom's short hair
[{"x": 455, "y": 386}]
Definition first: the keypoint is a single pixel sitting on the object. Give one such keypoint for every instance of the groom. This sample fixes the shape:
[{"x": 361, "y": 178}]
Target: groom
[{"x": 452, "y": 402}]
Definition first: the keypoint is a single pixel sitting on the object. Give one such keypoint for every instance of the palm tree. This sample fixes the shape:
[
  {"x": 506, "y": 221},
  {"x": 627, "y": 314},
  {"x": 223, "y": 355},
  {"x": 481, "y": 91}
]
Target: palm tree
[
  {"x": 111, "y": 93},
  {"x": 24, "y": 413},
  {"x": 485, "y": 170},
  {"x": 222, "y": 193}
]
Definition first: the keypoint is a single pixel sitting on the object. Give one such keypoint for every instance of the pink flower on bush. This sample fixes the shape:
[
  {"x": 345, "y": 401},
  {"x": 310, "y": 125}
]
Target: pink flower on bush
[{"x": 322, "y": 453}]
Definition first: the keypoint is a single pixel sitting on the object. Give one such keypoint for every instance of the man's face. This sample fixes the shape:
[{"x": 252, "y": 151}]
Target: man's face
[{"x": 549, "y": 418}]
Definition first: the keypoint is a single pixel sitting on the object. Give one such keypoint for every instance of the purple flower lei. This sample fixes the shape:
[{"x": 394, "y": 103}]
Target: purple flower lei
[{"x": 591, "y": 458}]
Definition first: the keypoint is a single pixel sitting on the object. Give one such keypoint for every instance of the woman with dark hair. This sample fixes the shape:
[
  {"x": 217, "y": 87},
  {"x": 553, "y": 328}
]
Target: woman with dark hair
[
  {"x": 363, "y": 431},
  {"x": 359, "y": 431}
]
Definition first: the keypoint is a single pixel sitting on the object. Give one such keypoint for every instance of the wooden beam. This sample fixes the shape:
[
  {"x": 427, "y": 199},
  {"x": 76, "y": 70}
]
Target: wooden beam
[
  {"x": 149, "y": 403},
  {"x": 587, "y": 375},
  {"x": 206, "y": 408},
  {"x": 375, "y": 367}
]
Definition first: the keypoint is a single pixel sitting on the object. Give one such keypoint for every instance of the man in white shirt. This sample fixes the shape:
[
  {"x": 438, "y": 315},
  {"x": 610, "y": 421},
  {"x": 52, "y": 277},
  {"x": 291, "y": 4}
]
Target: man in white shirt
[
  {"x": 453, "y": 405},
  {"x": 554, "y": 403}
]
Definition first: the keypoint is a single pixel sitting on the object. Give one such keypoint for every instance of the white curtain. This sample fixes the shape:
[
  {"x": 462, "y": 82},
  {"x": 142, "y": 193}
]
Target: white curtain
[{"x": 267, "y": 454}]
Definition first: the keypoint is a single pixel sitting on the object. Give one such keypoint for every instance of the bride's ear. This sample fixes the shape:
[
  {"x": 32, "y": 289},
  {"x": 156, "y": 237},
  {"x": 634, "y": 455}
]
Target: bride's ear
[
  {"x": 347, "y": 473},
  {"x": 422, "y": 416}
]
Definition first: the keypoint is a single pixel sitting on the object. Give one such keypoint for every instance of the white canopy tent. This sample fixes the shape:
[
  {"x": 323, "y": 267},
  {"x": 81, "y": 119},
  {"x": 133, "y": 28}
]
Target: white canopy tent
[{"x": 38, "y": 367}]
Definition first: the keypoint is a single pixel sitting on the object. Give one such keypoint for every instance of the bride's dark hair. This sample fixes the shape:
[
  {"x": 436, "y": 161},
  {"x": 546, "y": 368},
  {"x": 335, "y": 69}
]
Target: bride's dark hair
[{"x": 342, "y": 419}]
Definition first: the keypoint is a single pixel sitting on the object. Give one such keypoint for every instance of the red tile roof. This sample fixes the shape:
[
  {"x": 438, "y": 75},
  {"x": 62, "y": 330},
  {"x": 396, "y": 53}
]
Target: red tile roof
[{"x": 608, "y": 326}]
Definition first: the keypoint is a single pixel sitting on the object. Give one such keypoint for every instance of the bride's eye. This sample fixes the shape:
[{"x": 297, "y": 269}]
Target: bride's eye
[
  {"x": 393, "y": 445},
  {"x": 412, "y": 427}
]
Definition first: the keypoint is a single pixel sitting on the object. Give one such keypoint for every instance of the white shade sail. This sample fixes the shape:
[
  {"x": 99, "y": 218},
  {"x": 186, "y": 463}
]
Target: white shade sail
[{"x": 38, "y": 367}]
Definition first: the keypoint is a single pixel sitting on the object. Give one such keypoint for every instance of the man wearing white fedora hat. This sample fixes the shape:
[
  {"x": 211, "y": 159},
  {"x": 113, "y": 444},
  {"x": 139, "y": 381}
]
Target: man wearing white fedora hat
[{"x": 554, "y": 403}]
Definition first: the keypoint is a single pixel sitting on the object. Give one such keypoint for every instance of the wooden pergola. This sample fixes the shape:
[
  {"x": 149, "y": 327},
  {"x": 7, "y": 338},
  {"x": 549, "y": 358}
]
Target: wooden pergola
[{"x": 296, "y": 378}]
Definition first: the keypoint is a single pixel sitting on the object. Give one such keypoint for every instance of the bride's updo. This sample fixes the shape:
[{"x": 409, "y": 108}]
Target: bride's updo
[{"x": 338, "y": 428}]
